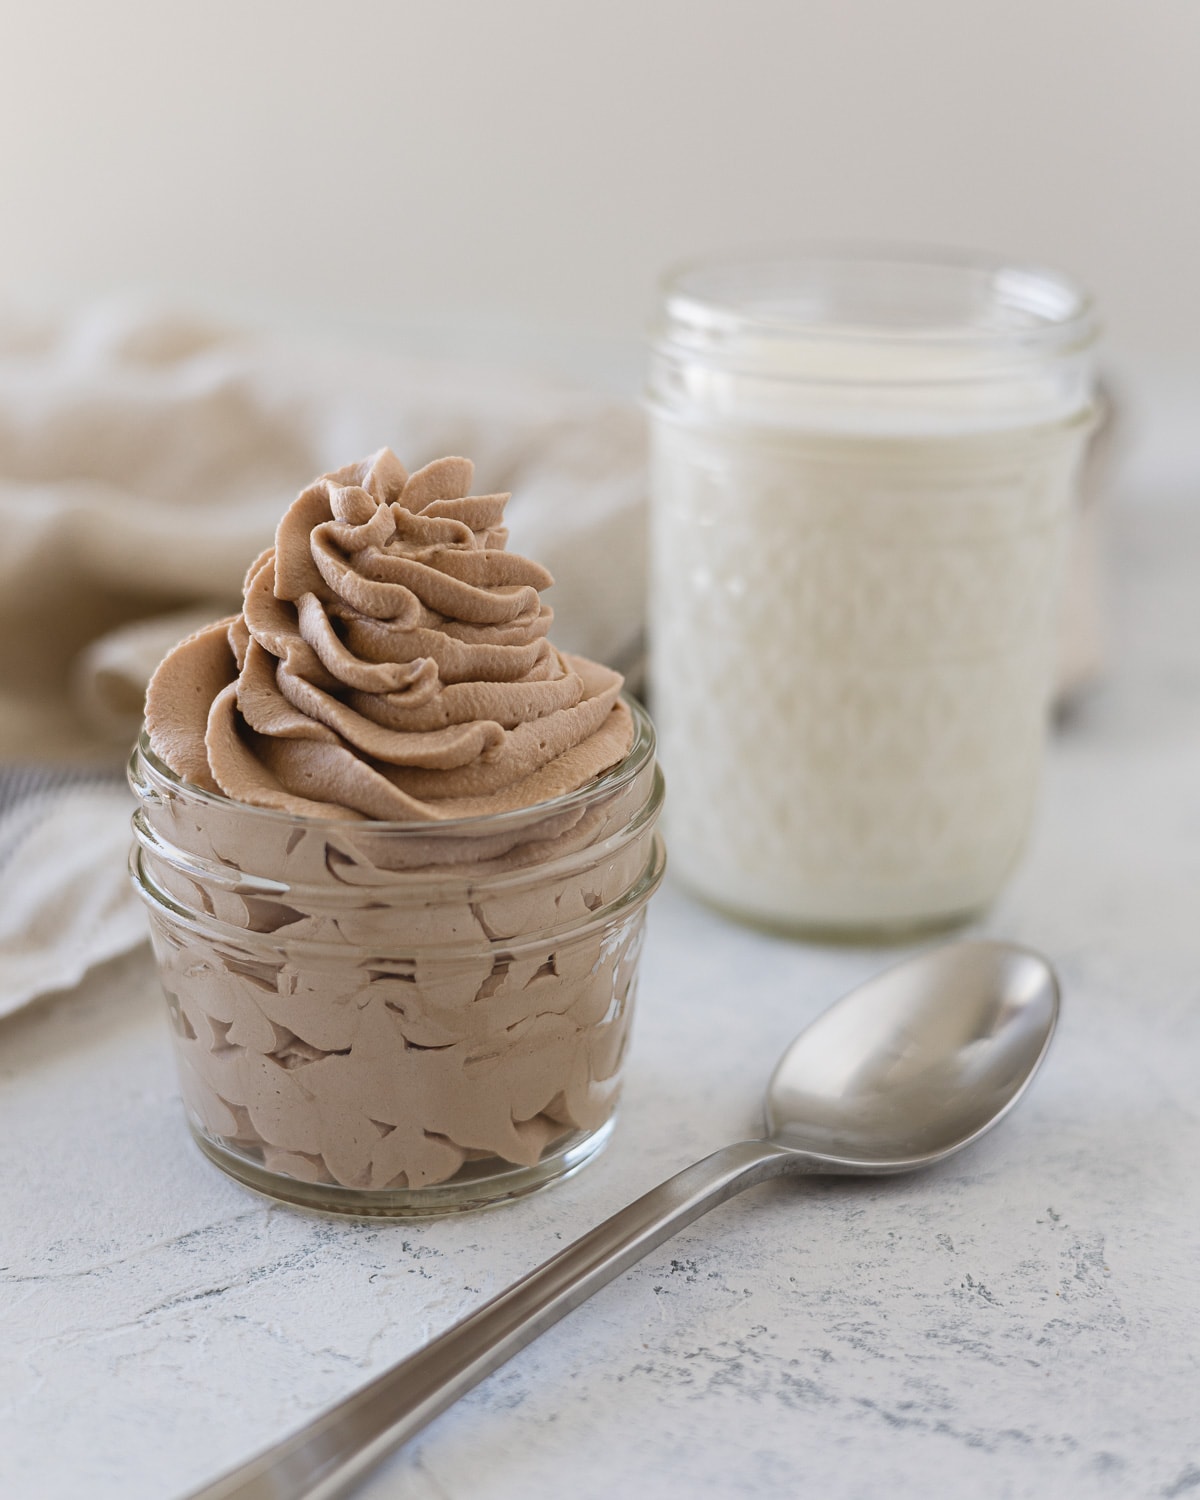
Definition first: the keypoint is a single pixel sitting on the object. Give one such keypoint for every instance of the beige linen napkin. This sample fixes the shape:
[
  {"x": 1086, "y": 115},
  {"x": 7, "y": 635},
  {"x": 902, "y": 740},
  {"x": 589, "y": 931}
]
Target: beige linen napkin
[{"x": 145, "y": 459}]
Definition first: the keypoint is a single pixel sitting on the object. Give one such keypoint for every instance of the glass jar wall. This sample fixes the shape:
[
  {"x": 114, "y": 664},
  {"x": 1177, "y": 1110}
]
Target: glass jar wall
[
  {"x": 381, "y": 1018},
  {"x": 862, "y": 477}
]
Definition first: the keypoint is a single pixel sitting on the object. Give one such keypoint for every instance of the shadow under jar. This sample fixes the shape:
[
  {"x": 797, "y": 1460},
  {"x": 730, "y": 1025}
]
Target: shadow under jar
[{"x": 399, "y": 1018}]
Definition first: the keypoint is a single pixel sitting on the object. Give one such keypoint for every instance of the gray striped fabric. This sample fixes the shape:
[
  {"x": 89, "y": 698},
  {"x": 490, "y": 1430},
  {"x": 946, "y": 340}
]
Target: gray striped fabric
[{"x": 20, "y": 781}]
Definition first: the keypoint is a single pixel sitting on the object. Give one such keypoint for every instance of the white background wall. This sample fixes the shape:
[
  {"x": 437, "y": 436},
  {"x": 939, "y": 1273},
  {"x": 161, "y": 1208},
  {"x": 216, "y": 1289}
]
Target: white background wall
[{"x": 524, "y": 167}]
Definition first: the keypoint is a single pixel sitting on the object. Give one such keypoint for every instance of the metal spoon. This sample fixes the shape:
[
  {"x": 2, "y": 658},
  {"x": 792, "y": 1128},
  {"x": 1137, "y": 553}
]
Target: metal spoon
[{"x": 902, "y": 1072}]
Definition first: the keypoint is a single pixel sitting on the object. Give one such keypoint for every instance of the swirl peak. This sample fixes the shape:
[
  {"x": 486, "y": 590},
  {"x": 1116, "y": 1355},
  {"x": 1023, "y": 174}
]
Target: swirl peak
[{"x": 391, "y": 660}]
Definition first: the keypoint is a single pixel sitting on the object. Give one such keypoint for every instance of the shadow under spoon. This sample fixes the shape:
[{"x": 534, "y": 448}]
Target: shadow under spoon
[{"x": 902, "y": 1072}]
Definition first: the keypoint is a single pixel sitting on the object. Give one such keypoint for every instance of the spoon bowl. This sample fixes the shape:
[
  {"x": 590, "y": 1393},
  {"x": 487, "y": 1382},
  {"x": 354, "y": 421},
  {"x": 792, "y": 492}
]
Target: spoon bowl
[
  {"x": 908, "y": 1068},
  {"x": 917, "y": 1062}
]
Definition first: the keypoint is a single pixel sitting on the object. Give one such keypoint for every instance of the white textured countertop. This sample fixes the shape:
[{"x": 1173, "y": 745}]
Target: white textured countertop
[{"x": 1024, "y": 1321}]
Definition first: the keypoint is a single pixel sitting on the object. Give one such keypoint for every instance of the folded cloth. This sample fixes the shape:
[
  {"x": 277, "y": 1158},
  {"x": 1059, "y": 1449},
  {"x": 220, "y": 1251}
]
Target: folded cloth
[
  {"x": 66, "y": 901},
  {"x": 146, "y": 458}
]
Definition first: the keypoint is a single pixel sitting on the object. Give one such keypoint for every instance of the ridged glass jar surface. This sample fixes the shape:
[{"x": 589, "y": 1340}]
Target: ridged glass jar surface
[
  {"x": 862, "y": 474},
  {"x": 382, "y": 1018}
]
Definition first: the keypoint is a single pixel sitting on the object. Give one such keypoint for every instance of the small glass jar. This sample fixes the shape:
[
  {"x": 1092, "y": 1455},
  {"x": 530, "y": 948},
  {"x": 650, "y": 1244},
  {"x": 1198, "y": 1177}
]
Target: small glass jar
[
  {"x": 396, "y": 1018},
  {"x": 863, "y": 467}
]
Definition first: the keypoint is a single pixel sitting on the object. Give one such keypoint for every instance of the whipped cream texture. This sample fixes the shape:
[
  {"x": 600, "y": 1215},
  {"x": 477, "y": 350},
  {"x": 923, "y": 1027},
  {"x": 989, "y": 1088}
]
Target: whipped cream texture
[{"x": 391, "y": 661}]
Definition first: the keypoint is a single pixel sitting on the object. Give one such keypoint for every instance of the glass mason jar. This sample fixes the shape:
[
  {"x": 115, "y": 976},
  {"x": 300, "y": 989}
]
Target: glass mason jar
[
  {"x": 863, "y": 467},
  {"x": 398, "y": 1018}
]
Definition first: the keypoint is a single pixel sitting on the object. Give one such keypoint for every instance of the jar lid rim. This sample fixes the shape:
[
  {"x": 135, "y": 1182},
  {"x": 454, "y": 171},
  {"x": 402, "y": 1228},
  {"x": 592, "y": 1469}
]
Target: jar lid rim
[{"x": 849, "y": 296}]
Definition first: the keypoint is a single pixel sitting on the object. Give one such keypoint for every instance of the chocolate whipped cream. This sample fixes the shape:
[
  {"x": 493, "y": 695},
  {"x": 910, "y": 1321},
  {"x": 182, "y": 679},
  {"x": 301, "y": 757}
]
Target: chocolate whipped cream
[
  {"x": 374, "y": 1006},
  {"x": 391, "y": 661}
]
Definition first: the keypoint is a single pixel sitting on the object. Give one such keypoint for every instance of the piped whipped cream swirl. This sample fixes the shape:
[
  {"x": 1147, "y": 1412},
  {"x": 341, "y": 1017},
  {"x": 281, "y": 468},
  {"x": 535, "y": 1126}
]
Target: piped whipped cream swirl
[{"x": 391, "y": 661}]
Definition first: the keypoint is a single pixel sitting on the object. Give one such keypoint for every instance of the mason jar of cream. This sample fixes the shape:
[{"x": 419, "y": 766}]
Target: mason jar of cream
[{"x": 863, "y": 469}]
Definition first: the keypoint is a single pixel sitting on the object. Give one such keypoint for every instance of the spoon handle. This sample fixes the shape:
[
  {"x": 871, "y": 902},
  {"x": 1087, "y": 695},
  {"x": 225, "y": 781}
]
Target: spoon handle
[{"x": 343, "y": 1443}]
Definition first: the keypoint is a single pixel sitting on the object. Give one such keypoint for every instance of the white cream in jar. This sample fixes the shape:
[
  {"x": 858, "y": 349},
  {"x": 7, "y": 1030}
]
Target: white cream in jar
[{"x": 862, "y": 475}]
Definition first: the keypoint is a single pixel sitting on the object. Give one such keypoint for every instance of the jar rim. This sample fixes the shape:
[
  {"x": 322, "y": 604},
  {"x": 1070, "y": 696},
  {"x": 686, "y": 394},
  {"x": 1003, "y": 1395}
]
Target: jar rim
[
  {"x": 849, "y": 295},
  {"x": 616, "y": 777}
]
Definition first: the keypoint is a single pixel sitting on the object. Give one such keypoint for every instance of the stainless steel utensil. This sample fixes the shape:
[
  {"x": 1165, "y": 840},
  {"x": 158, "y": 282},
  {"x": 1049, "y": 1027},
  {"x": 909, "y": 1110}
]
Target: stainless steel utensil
[{"x": 899, "y": 1074}]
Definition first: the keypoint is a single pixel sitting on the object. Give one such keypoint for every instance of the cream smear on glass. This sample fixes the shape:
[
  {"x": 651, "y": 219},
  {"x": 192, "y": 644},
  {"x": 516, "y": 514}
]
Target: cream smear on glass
[{"x": 862, "y": 474}]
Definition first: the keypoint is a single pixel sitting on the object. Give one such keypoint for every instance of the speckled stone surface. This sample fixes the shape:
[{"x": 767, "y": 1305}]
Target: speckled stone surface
[{"x": 1024, "y": 1321}]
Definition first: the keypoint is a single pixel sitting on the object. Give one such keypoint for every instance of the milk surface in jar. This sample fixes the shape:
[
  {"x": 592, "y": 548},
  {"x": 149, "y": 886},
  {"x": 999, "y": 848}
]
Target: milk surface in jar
[{"x": 862, "y": 479}]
